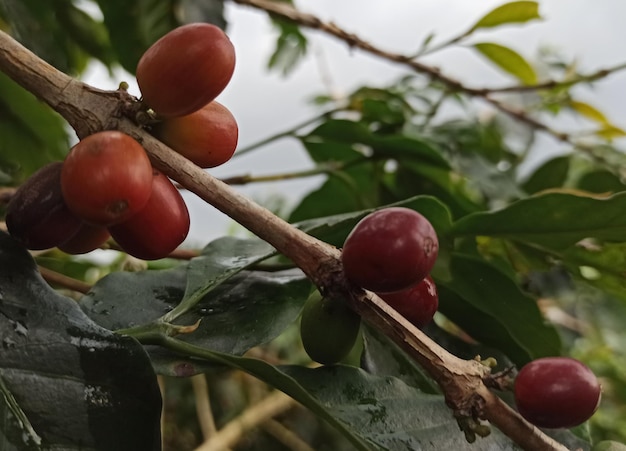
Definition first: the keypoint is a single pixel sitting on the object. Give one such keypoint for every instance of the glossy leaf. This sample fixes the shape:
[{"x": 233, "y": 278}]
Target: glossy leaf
[
  {"x": 211, "y": 11},
  {"x": 513, "y": 12},
  {"x": 352, "y": 188},
  {"x": 133, "y": 30},
  {"x": 388, "y": 413},
  {"x": 600, "y": 181},
  {"x": 220, "y": 260},
  {"x": 214, "y": 290},
  {"x": 36, "y": 26},
  {"x": 551, "y": 174},
  {"x": 32, "y": 134},
  {"x": 494, "y": 294},
  {"x": 600, "y": 265},
  {"x": 553, "y": 220},
  {"x": 80, "y": 386},
  {"x": 508, "y": 60},
  {"x": 89, "y": 34},
  {"x": 382, "y": 357},
  {"x": 395, "y": 146}
]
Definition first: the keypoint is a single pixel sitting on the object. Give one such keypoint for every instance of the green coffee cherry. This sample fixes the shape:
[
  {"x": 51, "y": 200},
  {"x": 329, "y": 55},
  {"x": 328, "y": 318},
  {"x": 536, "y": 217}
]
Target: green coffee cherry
[{"x": 328, "y": 329}]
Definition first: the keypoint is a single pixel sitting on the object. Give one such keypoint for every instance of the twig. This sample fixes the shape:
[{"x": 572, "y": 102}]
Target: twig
[
  {"x": 284, "y": 134},
  {"x": 161, "y": 382},
  {"x": 56, "y": 278},
  {"x": 89, "y": 110},
  {"x": 551, "y": 84},
  {"x": 286, "y": 11},
  {"x": 285, "y": 436},
  {"x": 274, "y": 404},
  {"x": 320, "y": 169},
  {"x": 203, "y": 406}
]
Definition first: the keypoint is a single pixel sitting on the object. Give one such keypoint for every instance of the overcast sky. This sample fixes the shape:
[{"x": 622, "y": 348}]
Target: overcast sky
[{"x": 265, "y": 103}]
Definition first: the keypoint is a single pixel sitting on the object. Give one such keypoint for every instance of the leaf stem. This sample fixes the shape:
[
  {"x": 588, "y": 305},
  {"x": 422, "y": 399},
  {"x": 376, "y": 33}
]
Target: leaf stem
[{"x": 284, "y": 134}]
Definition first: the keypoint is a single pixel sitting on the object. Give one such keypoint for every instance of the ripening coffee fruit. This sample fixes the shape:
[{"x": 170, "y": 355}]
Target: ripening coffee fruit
[
  {"x": 390, "y": 250},
  {"x": 417, "y": 304},
  {"x": 106, "y": 178},
  {"x": 159, "y": 227},
  {"x": 556, "y": 392},
  {"x": 328, "y": 329},
  {"x": 186, "y": 69},
  {"x": 208, "y": 137},
  {"x": 37, "y": 215},
  {"x": 88, "y": 238}
]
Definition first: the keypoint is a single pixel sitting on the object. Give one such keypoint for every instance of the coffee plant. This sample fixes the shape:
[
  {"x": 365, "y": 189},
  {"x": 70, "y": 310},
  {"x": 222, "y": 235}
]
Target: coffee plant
[{"x": 479, "y": 270}]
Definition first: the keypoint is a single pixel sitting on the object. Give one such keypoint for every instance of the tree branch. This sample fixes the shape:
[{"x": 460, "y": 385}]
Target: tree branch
[
  {"x": 288, "y": 12},
  {"x": 89, "y": 110}
]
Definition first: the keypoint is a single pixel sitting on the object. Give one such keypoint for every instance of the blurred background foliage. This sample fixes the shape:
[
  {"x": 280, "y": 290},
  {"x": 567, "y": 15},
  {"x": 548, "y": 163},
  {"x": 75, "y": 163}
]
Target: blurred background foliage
[{"x": 550, "y": 241}]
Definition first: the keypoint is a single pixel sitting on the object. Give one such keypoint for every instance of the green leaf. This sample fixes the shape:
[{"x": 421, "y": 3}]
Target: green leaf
[
  {"x": 134, "y": 28},
  {"x": 600, "y": 181},
  {"x": 89, "y": 34},
  {"x": 508, "y": 60},
  {"x": 56, "y": 361},
  {"x": 395, "y": 146},
  {"x": 589, "y": 111},
  {"x": 552, "y": 174},
  {"x": 486, "y": 178},
  {"x": 607, "y": 263},
  {"x": 413, "y": 178},
  {"x": 212, "y": 288},
  {"x": 388, "y": 413},
  {"x": 552, "y": 220},
  {"x": 382, "y": 357},
  {"x": 32, "y": 133},
  {"x": 496, "y": 296},
  {"x": 513, "y": 12},
  {"x": 374, "y": 413},
  {"x": 222, "y": 259},
  {"x": 291, "y": 46},
  {"x": 211, "y": 11},
  {"x": 345, "y": 195},
  {"x": 353, "y": 188},
  {"x": 36, "y": 26}
]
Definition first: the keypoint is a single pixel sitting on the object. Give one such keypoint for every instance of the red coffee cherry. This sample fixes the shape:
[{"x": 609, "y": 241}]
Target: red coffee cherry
[
  {"x": 106, "y": 178},
  {"x": 186, "y": 69},
  {"x": 390, "y": 250},
  {"x": 417, "y": 304},
  {"x": 159, "y": 228},
  {"x": 208, "y": 137},
  {"x": 88, "y": 238},
  {"x": 37, "y": 214},
  {"x": 556, "y": 392}
]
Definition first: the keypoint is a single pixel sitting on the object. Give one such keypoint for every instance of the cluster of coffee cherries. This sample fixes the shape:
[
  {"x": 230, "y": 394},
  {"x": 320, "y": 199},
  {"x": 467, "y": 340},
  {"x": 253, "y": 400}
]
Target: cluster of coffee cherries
[
  {"x": 106, "y": 186},
  {"x": 390, "y": 252}
]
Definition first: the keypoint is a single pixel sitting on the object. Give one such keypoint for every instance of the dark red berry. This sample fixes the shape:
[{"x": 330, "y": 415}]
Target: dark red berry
[
  {"x": 556, "y": 392},
  {"x": 417, "y": 304},
  {"x": 158, "y": 228},
  {"x": 37, "y": 214},
  {"x": 390, "y": 250}
]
